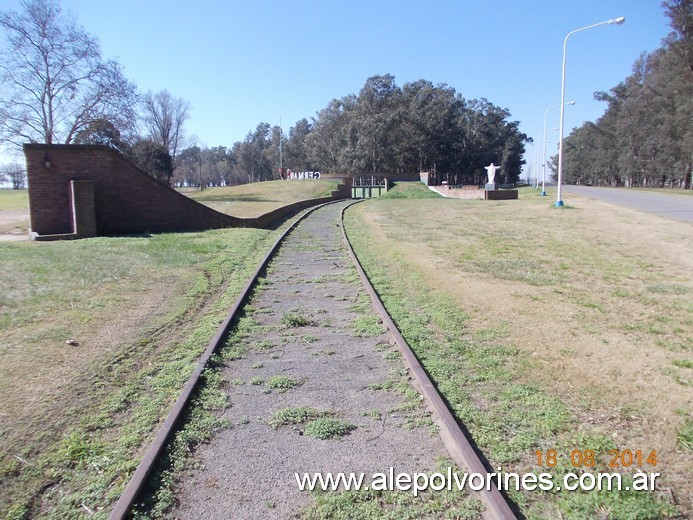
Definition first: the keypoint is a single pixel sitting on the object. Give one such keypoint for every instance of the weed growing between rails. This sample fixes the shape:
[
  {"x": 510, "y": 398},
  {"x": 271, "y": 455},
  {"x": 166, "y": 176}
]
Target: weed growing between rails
[
  {"x": 313, "y": 421},
  {"x": 487, "y": 379}
]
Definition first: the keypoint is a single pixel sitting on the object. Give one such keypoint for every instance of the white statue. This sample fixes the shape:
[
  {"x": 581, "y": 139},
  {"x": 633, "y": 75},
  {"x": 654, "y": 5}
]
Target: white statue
[{"x": 491, "y": 171}]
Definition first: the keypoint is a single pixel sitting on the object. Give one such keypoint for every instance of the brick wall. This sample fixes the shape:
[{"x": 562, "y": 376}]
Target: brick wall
[
  {"x": 125, "y": 199},
  {"x": 501, "y": 194}
]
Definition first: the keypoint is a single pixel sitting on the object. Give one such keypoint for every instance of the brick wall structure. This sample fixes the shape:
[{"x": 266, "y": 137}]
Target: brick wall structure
[
  {"x": 501, "y": 194},
  {"x": 77, "y": 191}
]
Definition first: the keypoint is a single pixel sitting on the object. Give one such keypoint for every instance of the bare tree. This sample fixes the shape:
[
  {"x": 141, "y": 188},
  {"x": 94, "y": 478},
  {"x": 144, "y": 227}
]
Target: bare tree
[
  {"x": 164, "y": 116},
  {"x": 53, "y": 81},
  {"x": 14, "y": 173}
]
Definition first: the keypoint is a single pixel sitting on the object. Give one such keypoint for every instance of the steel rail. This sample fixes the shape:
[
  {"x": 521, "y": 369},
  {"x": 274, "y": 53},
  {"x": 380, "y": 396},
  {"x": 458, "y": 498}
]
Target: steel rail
[
  {"x": 456, "y": 442},
  {"x": 139, "y": 477}
]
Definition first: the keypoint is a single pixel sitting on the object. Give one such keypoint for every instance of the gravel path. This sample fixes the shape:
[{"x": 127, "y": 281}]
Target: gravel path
[{"x": 308, "y": 313}]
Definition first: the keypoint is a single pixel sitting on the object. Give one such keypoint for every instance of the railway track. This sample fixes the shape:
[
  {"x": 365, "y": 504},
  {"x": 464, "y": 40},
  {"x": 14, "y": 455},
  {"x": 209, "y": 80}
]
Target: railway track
[{"x": 305, "y": 313}]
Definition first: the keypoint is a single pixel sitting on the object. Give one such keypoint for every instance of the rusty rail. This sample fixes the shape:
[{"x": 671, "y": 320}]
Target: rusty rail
[
  {"x": 138, "y": 479},
  {"x": 458, "y": 445}
]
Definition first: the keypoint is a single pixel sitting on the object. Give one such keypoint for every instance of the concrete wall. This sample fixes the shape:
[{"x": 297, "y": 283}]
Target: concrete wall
[{"x": 88, "y": 190}]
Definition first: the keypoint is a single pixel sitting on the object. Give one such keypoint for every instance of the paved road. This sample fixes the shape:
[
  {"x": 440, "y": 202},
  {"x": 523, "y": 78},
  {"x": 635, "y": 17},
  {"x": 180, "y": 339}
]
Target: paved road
[{"x": 679, "y": 207}]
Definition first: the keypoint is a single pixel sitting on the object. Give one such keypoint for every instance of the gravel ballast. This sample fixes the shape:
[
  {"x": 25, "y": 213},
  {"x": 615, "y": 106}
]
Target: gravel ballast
[{"x": 315, "y": 345}]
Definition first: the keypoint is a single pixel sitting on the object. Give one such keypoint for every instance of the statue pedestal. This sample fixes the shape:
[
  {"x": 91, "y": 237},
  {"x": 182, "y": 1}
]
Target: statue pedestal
[{"x": 491, "y": 186}]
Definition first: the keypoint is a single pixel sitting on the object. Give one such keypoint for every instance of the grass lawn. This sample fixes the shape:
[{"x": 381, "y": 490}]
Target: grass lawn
[
  {"x": 548, "y": 329},
  {"x": 14, "y": 212},
  {"x": 545, "y": 329},
  {"x": 258, "y": 198},
  {"x": 98, "y": 337},
  {"x": 14, "y": 199}
]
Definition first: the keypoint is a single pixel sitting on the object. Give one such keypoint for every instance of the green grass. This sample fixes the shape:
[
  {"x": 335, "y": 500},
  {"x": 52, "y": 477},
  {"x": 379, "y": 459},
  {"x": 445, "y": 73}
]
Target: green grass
[
  {"x": 252, "y": 200},
  {"x": 141, "y": 310},
  {"x": 684, "y": 438},
  {"x": 14, "y": 199},
  {"x": 283, "y": 383},
  {"x": 296, "y": 415},
  {"x": 367, "y": 326},
  {"x": 683, "y": 363},
  {"x": 414, "y": 252},
  {"x": 410, "y": 190},
  {"x": 297, "y": 318},
  {"x": 325, "y": 428},
  {"x": 200, "y": 421}
]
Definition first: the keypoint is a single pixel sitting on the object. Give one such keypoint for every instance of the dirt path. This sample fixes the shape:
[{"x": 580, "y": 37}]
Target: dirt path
[
  {"x": 14, "y": 224},
  {"x": 307, "y": 315}
]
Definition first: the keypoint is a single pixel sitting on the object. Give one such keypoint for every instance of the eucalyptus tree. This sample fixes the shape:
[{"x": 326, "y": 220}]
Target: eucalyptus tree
[
  {"x": 217, "y": 165},
  {"x": 53, "y": 81},
  {"x": 645, "y": 136},
  {"x": 270, "y": 151},
  {"x": 393, "y": 130},
  {"x": 188, "y": 169},
  {"x": 328, "y": 146},
  {"x": 296, "y": 149},
  {"x": 376, "y": 124},
  {"x": 431, "y": 127},
  {"x": 680, "y": 13},
  {"x": 252, "y": 157}
]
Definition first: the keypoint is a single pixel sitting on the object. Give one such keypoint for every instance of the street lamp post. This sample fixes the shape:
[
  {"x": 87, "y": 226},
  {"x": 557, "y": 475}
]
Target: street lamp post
[
  {"x": 543, "y": 164},
  {"x": 617, "y": 21}
]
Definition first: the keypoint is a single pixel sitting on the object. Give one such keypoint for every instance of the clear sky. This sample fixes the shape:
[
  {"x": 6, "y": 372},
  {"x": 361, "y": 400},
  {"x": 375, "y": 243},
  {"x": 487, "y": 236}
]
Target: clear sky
[{"x": 240, "y": 63}]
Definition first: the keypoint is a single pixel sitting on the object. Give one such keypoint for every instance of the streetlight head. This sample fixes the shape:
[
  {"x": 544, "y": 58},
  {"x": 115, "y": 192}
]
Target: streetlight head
[{"x": 618, "y": 21}]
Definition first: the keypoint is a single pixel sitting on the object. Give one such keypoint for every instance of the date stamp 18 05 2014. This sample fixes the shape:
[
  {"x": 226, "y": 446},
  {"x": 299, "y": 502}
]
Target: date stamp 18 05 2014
[{"x": 588, "y": 458}]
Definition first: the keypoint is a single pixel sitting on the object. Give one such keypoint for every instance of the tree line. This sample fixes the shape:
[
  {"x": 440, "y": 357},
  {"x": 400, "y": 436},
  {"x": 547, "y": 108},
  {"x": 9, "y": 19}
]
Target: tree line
[
  {"x": 383, "y": 129},
  {"x": 55, "y": 87},
  {"x": 645, "y": 137},
  {"x": 14, "y": 174},
  {"x": 417, "y": 127},
  {"x": 83, "y": 99}
]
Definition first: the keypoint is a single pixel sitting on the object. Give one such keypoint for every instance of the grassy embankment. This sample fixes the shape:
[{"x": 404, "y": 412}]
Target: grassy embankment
[
  {"x": 253, "y": 200},
  {"x": 547, "y": 330},
  {"x": 137, "y": 312}
]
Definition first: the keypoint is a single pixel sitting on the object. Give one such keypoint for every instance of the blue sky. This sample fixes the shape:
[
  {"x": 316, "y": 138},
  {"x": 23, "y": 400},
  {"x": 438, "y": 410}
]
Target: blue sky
[{"x": 242, "y": 63}]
